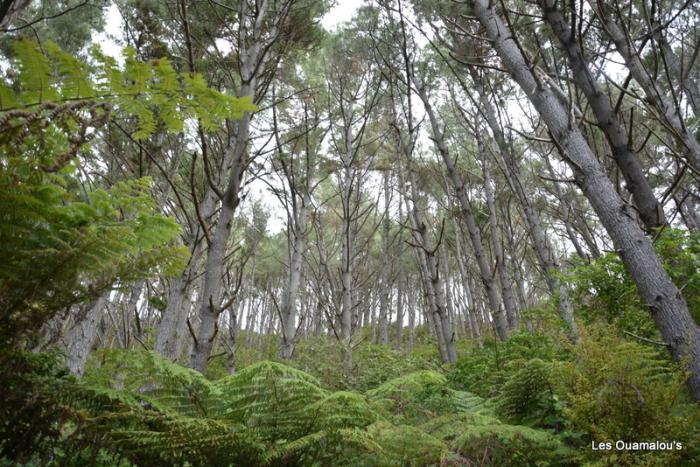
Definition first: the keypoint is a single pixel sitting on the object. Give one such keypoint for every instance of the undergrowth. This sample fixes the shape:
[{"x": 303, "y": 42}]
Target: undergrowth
[{"x": 536, "y": 403}]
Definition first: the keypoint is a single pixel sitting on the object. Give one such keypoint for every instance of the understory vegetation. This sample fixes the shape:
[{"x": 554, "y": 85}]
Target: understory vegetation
[{"x": 536, "y": 399}]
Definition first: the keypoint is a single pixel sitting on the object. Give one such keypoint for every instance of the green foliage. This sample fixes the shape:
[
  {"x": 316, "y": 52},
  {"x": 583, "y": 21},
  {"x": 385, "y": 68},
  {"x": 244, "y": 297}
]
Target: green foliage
[
  {"x": 421, "y": 395},
  {"x": 603, "y": 290},
  {"x": 620, "y": 390},
  {"x": 404, "y": 445},
  {"x": 484, "y": 370},
  {"x": 500, "y": 444},
  {"x": 449, "y": 427},
  {"x": 134, "y": 407},
  {"x": 372, "y": 364},
  {"x": 64, "y": 242},
  {"x": 268, "y": 397},
  {"x": 342, "y": 408},
  {"x": 527, "y": 396},
  {"x": 151, "y": 93},
  {"x": 164, "y": 385},
  {"x": 60, "y": 248}
]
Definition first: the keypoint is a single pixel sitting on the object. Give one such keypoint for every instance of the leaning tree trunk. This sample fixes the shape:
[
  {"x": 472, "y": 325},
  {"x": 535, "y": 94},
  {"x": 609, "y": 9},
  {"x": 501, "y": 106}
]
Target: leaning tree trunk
[
  {"x": 428, "y": 262},
  {"x": 506, "y": 285},
  {"x": 544, "y": 250},
  {"x": 668, "y": 308},
  {"x": 485, "y": 271},
  {"x": 654, "y": 95},
  {"x": 650, "y": 210}
]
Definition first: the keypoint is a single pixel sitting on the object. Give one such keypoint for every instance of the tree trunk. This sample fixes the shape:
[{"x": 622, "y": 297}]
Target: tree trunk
[
  {"x": 652, "y": 91},
  {"x": 540, "y": 243},
  {"x": 81, "y": 336},
  {"x": 288, "y": 309},
  {"x": 506, "y": 285},
  {"x": 650, "y": 211},
  {"x": 487, "y": 275},
  {"x": 210, "y": 302},
  {"x": 668, "y": 308},
  {"x": 385, "y": 271},
  {"x": 428, "y": 263}
]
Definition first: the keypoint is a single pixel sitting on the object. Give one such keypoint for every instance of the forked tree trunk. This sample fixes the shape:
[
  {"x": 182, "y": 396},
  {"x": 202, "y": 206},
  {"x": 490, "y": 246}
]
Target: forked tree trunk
[{"x": 288, "y": 310}]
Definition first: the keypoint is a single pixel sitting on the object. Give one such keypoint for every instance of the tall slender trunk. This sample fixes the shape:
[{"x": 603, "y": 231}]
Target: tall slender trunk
[
  {"x": 544, "y": 250},
  {"x": 428, "y": 263},
  {"x": 411, "y": 317},
  {"x": 654, "y": 95},
  {"x": 212, "y": 290},
  {"x": 668, "y": 308},
  {"x": 470, "y": 309},
  {"x": 506, "y": 285},
  {"x": 385, "y": 268},
  {"x": 650, "y": 210},
  {"x": 487, "y": 276},
  {"x": 288, "y": 309}
]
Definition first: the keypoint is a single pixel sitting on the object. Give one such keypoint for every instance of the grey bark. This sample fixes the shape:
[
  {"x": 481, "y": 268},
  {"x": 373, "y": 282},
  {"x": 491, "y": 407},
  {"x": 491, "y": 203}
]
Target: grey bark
[
  {"x": 385, "y": 268},
  {"x": 540, "y": 243},
  {"x": 288, "y": 309},
  {"x": 506, "y": 286},
  {"x": 487, "y": 276},
  {"x": 81, "y": 337},
  {"x": 650, "y": 211},
  {"x": 172, "y": 327},
  {"x": 668, "y": 308},
  {"x": 470, "y": 310},
  {"x": 428, "y": 263},
  {"x": 661, "y": 102},
  {"x": 9, "y": 10}
]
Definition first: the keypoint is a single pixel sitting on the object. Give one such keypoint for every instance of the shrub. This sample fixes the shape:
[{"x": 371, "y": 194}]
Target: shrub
[
  {"x": 422, "y": 395},
  {"x": 602, "y": 290},
  {"x": 486, "y": 369},
  {"x": 621, "y": 390}
]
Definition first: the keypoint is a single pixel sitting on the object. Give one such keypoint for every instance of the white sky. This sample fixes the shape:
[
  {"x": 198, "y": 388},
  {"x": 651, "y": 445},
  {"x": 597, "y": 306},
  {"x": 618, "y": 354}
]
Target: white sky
[{"x": 341, "y": 12}]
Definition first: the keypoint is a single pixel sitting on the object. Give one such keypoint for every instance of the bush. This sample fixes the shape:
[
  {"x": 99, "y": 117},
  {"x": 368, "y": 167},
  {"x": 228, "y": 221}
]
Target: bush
[
  {"x": 486, "y": 369},
  {"x": 621, "y": 390},
  {"x": 422, "y": 395},
  {"x": 603, "y": 290}
]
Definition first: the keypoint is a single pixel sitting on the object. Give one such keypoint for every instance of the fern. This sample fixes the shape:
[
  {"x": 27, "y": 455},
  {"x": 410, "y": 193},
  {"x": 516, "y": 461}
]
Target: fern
[
  {"x": 528, "y": 398},
  {"x": 341, "y": 409},
  {"x": 152, "y": 93},
  {"x": 422, "y": 395},
  {"x": 164, "y": 385},
  {"x": 501, "y": 444},
  {"x": 268, "y": 397}
]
